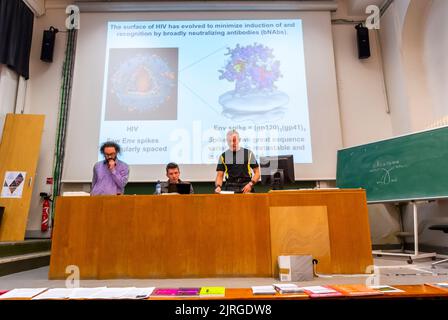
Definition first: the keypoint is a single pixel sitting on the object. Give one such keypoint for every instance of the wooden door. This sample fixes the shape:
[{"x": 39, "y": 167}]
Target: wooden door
[{"x": 19, "y": 151}]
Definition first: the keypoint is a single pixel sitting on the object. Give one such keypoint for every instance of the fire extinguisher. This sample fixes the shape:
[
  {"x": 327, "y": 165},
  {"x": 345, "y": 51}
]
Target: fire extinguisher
[{"x": 45, "y": 211}]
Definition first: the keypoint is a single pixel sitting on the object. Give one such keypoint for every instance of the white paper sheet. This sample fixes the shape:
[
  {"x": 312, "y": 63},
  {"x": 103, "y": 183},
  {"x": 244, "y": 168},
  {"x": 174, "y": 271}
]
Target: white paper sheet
[
  {"x": 55, "y": 293},
  {"x": 23, "y": 293},
  {"x": 263, "y": 290},
  {"x": 111, "y": 293},
  {"x": 138, "y": 293},
  {"x": 85, "y": 293}
]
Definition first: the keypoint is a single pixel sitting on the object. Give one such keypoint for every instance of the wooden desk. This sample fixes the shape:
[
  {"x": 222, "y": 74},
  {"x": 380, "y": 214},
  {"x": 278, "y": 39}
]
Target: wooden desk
[
  {"x": 418, "y": 291},
  {"x": 192, "y": 236},
  {"x": 410, "y": 292}
]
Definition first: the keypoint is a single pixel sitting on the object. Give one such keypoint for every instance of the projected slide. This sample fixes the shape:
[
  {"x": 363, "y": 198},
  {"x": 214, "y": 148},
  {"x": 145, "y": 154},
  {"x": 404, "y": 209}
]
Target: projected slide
[{"x": 172, "y": 89}]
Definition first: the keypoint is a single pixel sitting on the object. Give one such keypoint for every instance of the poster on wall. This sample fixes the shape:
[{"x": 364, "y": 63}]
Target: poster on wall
[{"x": 12, "y": 186}]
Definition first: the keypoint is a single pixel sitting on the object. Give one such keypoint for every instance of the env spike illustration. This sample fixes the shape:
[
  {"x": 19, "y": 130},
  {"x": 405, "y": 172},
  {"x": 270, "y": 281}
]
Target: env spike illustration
[{"x": 254, "y": 70}]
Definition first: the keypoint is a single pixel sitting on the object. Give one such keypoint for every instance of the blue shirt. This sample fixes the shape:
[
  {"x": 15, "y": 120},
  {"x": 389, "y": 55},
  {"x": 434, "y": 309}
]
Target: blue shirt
[{"x": 109, "y": 182}]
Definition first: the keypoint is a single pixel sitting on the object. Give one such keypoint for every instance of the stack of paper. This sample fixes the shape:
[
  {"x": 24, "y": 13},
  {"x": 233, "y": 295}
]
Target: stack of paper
[
  {"x": 256, "y": 290},
  {"x": 386, "y": 289},
  {"x": 285, "y": 288},
  {"x": 25, "y": 293},
  {"x": 321, "y": 291}
]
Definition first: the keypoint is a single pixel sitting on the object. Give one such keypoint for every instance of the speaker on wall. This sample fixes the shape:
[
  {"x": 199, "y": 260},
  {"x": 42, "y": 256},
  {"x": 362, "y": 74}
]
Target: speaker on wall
[
  {"x": 362, "y": 37},
  {"x": 48, "y": 40}
]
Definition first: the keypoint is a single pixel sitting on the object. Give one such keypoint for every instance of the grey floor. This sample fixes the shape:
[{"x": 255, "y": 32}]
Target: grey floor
[{"x": 388, "y": 270}]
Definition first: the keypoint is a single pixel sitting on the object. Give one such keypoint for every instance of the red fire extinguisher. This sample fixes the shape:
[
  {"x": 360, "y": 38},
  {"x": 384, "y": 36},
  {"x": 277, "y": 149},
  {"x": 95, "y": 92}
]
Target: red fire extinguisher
[{"x": 45, "y": 211}]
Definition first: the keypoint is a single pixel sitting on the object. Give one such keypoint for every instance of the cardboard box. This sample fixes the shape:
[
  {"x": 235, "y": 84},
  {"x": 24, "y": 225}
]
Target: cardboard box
[{"x": 295, "y": 268}]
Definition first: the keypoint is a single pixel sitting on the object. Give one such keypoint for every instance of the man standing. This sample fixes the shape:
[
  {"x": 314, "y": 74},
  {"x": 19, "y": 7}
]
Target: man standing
[
  {"x": 238, "y": 166},
  {"x": 173, "y": 175},
  {"x": 110, "y": 176}
]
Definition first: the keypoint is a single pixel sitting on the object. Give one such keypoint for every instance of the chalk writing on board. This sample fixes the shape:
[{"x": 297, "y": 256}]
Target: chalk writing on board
[{"x": 385, "y": 168}]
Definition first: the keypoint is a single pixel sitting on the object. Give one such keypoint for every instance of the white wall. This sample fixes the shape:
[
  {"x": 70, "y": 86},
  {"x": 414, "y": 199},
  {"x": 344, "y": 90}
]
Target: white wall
[
  {"x": 363, "y": 104},
  {"x": 362, "y": 98},
  {"x": 420, "y": 102},
  {"x": 390, "y": 35},
  {"x": 435, "y": 56},
  {"x": 412, "y": 33},
  {"x": 414, "y": 38},
  {"x": 43, "y": 98},
  {"x": 8, "y": 90}
]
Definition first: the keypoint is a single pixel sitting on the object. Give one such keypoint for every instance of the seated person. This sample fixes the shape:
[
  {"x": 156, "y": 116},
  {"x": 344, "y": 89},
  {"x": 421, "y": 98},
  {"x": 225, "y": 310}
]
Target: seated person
[{"x": 173, "y": 174}]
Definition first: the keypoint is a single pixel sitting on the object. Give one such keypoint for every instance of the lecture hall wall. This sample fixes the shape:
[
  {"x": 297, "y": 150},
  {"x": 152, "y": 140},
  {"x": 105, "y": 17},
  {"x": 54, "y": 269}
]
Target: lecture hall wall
[
  {"x": 362, "y": 85},
  {"x": 414, "y": 39}
]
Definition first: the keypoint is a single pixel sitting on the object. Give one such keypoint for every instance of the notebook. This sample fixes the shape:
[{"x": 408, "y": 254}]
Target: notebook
[{"x": 212, "y": 292}]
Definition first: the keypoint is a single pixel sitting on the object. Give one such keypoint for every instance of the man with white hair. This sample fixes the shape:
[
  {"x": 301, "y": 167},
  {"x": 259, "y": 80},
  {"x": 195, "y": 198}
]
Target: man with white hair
[{"x": 238, "y": 166}]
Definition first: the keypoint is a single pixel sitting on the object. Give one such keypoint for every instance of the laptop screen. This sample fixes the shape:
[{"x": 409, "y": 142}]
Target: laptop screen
[{"x": 181, "y": 188}]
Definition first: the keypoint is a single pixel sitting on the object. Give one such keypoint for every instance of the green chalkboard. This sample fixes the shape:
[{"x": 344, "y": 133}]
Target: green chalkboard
[{"x": 409, "y": 167}]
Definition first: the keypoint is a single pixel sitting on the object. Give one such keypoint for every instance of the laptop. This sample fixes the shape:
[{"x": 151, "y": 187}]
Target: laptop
[{"x": 181, "y": 188}]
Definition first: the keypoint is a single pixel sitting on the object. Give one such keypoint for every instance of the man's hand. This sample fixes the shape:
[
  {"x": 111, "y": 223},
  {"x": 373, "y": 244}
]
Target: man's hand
[
  {"x": 248, "y": 187},
  {"x": 218, "y": 189},
  {"x": 111, "y": 164}
]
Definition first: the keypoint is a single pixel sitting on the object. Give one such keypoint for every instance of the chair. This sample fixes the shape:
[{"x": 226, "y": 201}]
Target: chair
[
  {"x": 418, "y": 228},
  {"x": 444, "y": 228}
]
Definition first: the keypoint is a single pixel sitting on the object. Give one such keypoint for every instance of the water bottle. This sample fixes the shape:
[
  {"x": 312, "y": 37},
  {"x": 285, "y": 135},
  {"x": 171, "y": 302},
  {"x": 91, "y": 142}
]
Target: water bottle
[{"x": 158, "y": 188}]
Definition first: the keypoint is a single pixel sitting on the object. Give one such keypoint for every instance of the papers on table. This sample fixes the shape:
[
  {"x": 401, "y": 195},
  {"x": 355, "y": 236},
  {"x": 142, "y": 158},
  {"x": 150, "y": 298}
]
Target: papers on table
[
  {"x": 263, "y": 290},
  {"x": 25, "y": 293},
  {"x": 138, "y": 293},
  {"x": 75, "y": 194},
  {"x": 56, "y": 293},
  {"x": 321, "y": 291},
  {"x": 85, "y": 293},
  {"x": 96, "y": 293},
  {"x": 123, "y": 293},
  {"x": 386, "y": 288},
  {"x": 287, "y": 288}
]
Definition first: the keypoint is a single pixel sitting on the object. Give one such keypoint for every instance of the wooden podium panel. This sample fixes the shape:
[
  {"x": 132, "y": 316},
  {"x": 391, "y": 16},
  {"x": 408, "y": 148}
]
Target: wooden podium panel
[
  {"x": 162, "y": 236},
  {"x": 348, "y": 224},
  {"x": 188, "y": 236},
  {"x": 300, "y": 231}
]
